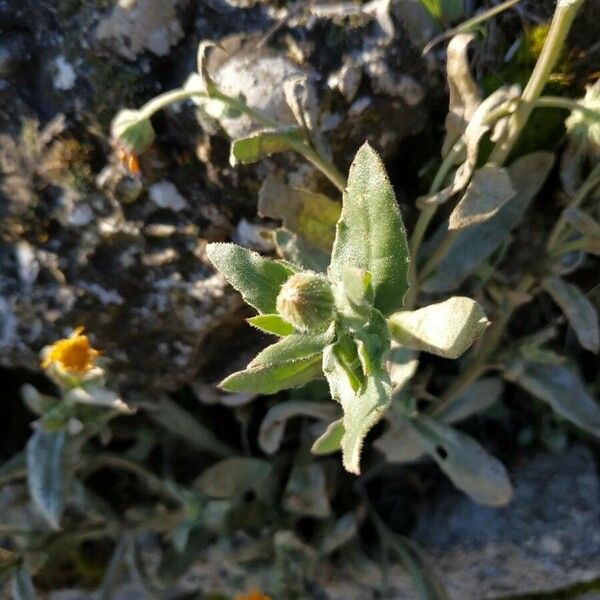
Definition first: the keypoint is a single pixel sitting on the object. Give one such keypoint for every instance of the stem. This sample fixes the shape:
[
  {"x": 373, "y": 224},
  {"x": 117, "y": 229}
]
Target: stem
[
  {"x": 559, "y": 28},
  {"x": 592, "y": 180},
  {"x": 321, "y": 163},
  {"x": 567, "y": 104}
]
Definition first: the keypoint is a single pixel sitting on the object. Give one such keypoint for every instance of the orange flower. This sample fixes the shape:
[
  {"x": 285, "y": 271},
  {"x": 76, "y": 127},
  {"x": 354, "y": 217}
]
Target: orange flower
[
  {"x": 73, "y": 354},
  {"x": 253, "y": 595},
  {"x": 129, "y": 160}
]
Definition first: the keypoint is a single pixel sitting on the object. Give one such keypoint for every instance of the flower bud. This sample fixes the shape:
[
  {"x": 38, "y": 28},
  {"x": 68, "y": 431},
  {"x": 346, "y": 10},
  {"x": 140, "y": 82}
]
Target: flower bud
[
  {"x": 582, "y": 128},
  {"x": 306, "y": 301},
  {"x": 132, "y": 130}
]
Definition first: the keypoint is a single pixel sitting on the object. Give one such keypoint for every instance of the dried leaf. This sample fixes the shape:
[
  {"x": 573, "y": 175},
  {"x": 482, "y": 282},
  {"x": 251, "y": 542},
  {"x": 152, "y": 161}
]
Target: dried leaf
[
  {"x": 370, "y": 234},
  {"x": 580, "y": 312},
  {"x": 311, "y": 215},
  {"x": 465, "y": 462},
  {"x": 490, "y": 188},
  {"x": 463, "y": 90},
  {"x": 446, "y": 329},
  {"x": 561, "y": 387},
  {"x": 273, "y": 425},
  {"x": 474, "y": 245}
]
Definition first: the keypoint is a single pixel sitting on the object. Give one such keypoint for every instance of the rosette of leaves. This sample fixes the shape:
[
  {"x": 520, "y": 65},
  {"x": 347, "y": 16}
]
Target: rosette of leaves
[{"x": 341, "y": 325}]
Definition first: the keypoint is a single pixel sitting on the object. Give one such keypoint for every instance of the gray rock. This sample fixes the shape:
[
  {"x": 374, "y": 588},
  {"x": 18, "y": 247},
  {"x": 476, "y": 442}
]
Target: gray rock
[{"x": 547, "y": 538}]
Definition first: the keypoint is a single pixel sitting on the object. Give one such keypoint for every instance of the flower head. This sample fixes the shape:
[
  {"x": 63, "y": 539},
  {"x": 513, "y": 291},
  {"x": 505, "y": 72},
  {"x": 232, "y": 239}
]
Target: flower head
[
  {"x": 72, "y": 355},
  {"x": 583, "y": 128},
  {"x": 253, "y": 595}
]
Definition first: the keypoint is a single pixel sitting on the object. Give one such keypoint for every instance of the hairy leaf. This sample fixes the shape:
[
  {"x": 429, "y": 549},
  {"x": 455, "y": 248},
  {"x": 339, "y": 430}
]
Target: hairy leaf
[
  {"x": 446, "y": 329},
  {"x": 46, "y": 478},
  {"x": 465, "y": 462},
  {"x": 330, "y": 440},
  {"x": 403, "y": 365},
  {"x": 273, "y": 425},
  {"x": 474, "y": 245},
  {"x": 562, "y": 388},
  {"x": 292, "y": 347},
  {"x": 490, "y": 188},
  {"x": 262, "y": 144},
  {"x": 363, "y": 407},
  {"x": 271, "y": 324},
  {"x": 370, "y": 233},
  {"x": 258, "y": 279},
  {"x": 580, "y": 312}
]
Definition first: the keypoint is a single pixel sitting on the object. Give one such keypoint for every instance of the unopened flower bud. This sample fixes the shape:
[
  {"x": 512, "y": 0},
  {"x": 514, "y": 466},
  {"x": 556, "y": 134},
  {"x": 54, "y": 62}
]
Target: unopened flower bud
[
  {"x": 306, "y": 301},
  {"x": 132, "y": 130}
]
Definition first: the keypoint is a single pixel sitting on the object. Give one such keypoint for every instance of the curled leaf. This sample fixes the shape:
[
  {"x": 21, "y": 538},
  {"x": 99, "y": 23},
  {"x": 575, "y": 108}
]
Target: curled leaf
[
  {"x": 446, "y": 329},
  {"x": 261, "y": 144}
]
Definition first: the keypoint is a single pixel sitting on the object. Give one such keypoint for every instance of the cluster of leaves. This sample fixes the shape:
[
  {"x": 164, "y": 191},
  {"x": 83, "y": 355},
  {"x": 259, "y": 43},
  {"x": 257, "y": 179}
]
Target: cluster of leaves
[{"x": 356, "y": 303}]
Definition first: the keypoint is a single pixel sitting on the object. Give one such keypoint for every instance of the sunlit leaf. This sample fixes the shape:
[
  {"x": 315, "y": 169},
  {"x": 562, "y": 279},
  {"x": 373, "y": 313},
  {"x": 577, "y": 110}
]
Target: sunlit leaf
[
  {"x": 271, "y": 324},
  {"x": 258, "y": 279},
  {"x": 330, "y": 440},
  {"x": 580, "y": 312},
  {"x": 490, "y": 188},
  {"x": 562, "y": 388},
  {"x": 262, "y": 144},
  {"x": 403, "y": 363},
  {"x": 46, "y": 477},
  {"x": 370, "y": 233},
  {"x": 446, "y": 329},
  {"x": 465, "y": 462}
]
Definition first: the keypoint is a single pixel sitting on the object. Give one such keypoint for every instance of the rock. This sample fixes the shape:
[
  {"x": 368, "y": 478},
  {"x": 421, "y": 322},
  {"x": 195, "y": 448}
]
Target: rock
[{"x": 547, "y": 538}]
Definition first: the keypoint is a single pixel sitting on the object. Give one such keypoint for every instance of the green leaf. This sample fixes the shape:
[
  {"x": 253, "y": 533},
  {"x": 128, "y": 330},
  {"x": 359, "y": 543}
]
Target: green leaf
[
  {"x": 474, "y": 245},
  {"x": 292, "y": 347},
  {"x": 562, "y": 388},
  {"x": 233, "y": 477},
  {"x": 271, "y": 324},
  {"x": 330, "y": 440},
  {"x": 580, "y": 312},
  {"x": 476, "y": 398},
  {"x": 344, "y": 529},
  {"x": 399, "y": 444},
  {"x": 363, "y": 407},
  {"x": 180, "y": 422},
  {"x": 446, "y": 329},
  {"x": 489, "y": 190},
  {"x": 273, "y": 425},
  {"x": 133, "y": 130},
  {"x": 46, "y": 474},
  {"x": 370, "y": 233},
  {"x": 403, "y": 364},
  {"x": 258, "y": 279},
  {"x": 467, "y": 464},
  {"x": 22, "y": 586},
  {"x": 262, "y": 144}
]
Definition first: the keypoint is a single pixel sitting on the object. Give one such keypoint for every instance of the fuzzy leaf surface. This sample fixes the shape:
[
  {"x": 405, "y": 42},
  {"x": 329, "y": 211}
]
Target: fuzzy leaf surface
[
  {"x": 258, "y": 279},
  {"x": 330, "y": 440},
  {"x": 446, "y": 329},
  {"x": 370, "y": 234},
  {"x": 273, "y": 324},
  {"x": 580, "y": 312},
  {"x": 467, "y": 464}
]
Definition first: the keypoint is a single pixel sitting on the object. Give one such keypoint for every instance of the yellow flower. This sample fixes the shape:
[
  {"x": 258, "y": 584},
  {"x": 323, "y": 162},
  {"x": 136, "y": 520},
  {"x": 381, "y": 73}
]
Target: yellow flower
[
  {"x": 253, "y": 595},
  {"x": 73, "y": 354}
]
